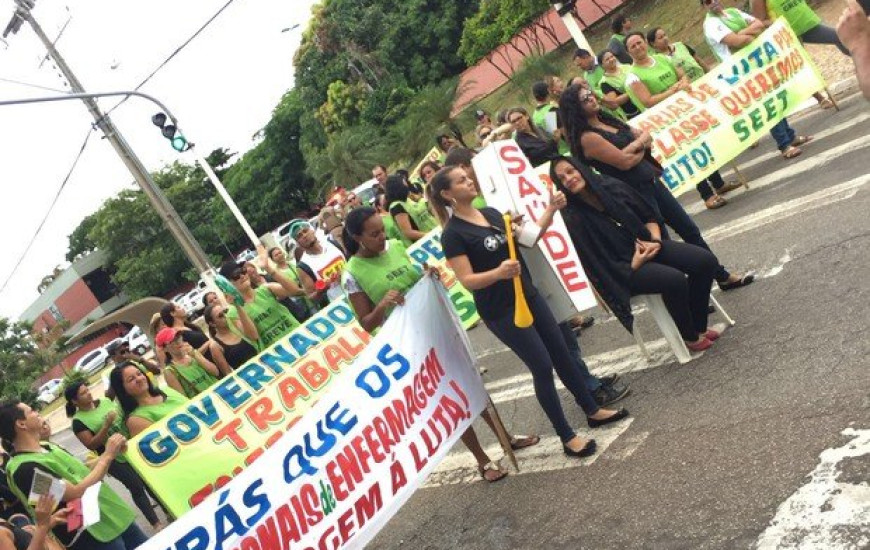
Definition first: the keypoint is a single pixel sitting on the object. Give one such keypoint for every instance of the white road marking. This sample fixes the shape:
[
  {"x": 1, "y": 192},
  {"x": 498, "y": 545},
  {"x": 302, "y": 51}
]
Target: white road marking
[
  {"x": 825, "y": 514},
  {"x": 777, "y": 269},
  {"x": 459, "y": 466},
  {"x": 794, "y": 169},
  {"x": 784, "y": 210}
]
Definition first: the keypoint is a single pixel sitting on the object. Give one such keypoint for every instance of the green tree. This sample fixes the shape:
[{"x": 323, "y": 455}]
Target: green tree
[
  {"x": 496, "y": 23},
  {"x": 18, "y": 368}
]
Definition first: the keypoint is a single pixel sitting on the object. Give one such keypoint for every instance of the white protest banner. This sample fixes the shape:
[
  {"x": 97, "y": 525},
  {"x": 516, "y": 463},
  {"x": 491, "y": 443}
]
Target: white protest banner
[
  {"x": 347, "y": 466},
  {"x": 509, "y": 182}
]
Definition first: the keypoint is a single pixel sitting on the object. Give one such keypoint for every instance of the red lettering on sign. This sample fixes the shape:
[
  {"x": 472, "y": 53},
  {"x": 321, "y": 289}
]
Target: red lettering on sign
[
  {"x": 290, "y": 389},
  {"x": 261, "y": 414},
  {"x": 231, "y": 432},
  {"x": 556, "y": 245},
  {"x": 313, "y": 374},
  {"x": 569, "y": 272},
  {"x": 517, "y": 163},
  {"x": 526, "y": 188}
]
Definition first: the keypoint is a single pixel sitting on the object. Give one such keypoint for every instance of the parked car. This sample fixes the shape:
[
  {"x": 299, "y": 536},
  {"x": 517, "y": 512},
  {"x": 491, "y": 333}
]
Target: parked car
[
  {"x": 246, "y": 255},
  {"x": 48, "y": 392},
  {"x": 137, "y": 341},
  {"x": 92, "y": 361}
]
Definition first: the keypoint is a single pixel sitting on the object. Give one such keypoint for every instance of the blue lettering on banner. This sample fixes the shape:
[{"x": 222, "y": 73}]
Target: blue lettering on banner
[{"x": 334, "y": 421}]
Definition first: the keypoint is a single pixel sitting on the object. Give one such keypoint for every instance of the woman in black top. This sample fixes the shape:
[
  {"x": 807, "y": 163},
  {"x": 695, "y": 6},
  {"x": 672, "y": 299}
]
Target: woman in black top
[
  {"x": 174, "y": 316},
  {"x": 236, "y": 348},
  {"x": 618, "y": 150},
  {"x": 619, "y": 243},
  {"x": 475, "y": 246},
  {"x": 536, "y": 145}
]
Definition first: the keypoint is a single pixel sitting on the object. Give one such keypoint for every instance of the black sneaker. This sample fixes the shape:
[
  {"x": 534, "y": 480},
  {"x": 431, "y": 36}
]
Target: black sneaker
[
  {"x": 610, "y": 393},
  {"x": 608, "y": 380}
]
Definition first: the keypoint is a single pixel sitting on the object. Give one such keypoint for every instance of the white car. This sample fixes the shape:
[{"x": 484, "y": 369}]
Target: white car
[
  {"x": 92, "y": 361},
  {"x": 246, "y": 255},
  {"x": 48, "y": 391},
  {"x": 137, "y": 341}
]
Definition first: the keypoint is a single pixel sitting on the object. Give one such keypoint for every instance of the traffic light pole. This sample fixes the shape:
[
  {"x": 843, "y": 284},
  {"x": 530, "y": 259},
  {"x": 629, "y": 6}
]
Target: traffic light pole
[{"x": 170, "y": 217}]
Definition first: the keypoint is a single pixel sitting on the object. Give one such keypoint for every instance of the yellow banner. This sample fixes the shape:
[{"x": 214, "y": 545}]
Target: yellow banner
[{"x": 696, "y": 132}]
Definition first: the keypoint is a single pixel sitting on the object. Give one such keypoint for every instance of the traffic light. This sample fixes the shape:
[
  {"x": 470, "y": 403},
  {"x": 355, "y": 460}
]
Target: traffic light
[{"x": 170, "y": 132}]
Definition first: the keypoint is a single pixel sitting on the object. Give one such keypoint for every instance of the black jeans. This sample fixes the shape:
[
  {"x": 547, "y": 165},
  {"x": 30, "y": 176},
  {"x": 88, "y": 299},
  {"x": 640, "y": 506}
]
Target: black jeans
[
  {"x": 542, "y": 348},
  {"x": 592, "y": 382},
  {"x": 128, "y": 477},
  {"x": 710, "y": 185},
  {"x": 682, "y": 273},
  {"x": 823, "y": 34},
  {"x": 669, "y": 211}
]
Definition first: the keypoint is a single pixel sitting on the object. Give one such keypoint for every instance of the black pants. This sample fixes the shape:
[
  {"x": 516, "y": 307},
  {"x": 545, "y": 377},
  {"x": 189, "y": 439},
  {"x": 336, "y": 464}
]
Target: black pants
[
  {"x": 682, "y": 273},
  {"x": 669, "y": 211},
  {"x": 128, "y": 477},
  {"x": 542, "y": 348},
  {"x": 710, "y": 185}
]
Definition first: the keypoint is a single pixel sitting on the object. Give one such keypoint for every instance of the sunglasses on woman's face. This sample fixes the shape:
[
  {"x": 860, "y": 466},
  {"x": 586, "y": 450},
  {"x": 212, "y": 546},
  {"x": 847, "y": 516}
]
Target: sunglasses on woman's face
[
  {"x": 485, "y": 135},
  {"x": 586, "y": 97}
]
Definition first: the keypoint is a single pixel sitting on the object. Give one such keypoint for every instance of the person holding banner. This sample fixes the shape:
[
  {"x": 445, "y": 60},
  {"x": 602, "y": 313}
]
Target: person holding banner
[
  {"x": 619, "y": 242},
  {"x": 622, "y": 152},
  {"x": 476, "y": 247},
  {"x": 116, "y": 529},
  {"x": 728, "y": 31},
  {"x": 93, "y": 422},
  {"x": 142, "y": 403},
  {"x": 377, "y": 275},
  {"x": 188, "y": 372}
]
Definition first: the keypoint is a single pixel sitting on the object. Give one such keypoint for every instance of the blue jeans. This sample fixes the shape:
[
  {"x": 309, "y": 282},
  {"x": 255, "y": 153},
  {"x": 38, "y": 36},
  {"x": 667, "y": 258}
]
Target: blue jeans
[
  {"x": 592, "y": 383},
  {"x": 130, "y": 539},
  {"x": 669, "y": 211},
  {"x": 783, "y": 134},
  {"x": 542, "y": 348}
]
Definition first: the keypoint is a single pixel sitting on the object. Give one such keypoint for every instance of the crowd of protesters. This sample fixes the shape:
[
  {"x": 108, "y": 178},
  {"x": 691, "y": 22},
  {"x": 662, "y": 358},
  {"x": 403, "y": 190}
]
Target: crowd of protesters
[{"x": 607, "y": 187}]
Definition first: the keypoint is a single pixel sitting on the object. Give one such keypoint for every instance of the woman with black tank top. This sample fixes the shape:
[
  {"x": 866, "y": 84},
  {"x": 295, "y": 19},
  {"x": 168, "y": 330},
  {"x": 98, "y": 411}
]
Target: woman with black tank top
[
  {"x": 616, "y": 149},
  {"x": 237, "y": 341},
  {"x": 174, "y": 316}
]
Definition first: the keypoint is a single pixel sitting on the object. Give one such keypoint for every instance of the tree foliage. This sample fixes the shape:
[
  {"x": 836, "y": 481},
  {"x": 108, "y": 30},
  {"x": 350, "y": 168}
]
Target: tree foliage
[
  {"x": 20, "y": 364},
  {"x": 495, "y": 23}
]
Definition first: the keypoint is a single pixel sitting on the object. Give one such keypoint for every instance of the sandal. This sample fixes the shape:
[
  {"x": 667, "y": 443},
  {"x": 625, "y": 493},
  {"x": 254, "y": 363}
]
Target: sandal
[
  {"x": 715, "y": 202},
  {"x": 791, "y": 152},
  {"x": 522, "y": 441},
  {"x": 801, "y": 140},
  {"x": 743, "y": 281},
  {"x": 491, "y": 467}
]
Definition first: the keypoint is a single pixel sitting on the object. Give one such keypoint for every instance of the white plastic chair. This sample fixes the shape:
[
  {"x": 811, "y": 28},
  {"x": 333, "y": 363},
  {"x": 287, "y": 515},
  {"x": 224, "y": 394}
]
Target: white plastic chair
[{"x": 659, "y": 312}]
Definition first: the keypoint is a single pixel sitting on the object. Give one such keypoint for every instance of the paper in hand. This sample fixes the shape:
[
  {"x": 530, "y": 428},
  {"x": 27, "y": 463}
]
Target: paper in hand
[{"x": 44, "y": 484}]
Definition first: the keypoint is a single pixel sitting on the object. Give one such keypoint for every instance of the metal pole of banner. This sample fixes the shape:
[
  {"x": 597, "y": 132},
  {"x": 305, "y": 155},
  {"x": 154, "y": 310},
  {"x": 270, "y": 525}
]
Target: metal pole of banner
[
  {"x": 739, "y": 175},
  {"x": 501, "y": 432}
]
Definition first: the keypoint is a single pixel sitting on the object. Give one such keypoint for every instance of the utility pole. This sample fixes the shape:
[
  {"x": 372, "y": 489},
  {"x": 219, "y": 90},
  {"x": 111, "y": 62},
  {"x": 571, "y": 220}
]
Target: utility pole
[
  {"x": 564, "y": 10},
  {"x": 158, "y": 200}
]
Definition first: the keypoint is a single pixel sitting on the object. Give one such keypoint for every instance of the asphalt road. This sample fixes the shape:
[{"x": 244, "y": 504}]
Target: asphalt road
[{"x": 762, "y": 442}]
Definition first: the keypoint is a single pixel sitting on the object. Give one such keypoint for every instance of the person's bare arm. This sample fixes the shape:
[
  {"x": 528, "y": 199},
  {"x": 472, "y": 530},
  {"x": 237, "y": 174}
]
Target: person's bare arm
[
  {"x": 172, "y": 382},
  {"x": 94, "y": 441},
  {"x": 759, "y": 10},
  {"x": 114, "y": 445},
  {"x": 461, "y": 266},
  {"x": 648, "y": 99},
  {"x": 597, "y": 148},
  {"x": 853, "y": 28},
  {"x": 655, "y": 230},
  {"x": 403, "y": 222},
  {"x": 246, "y": 325},
  {"x": 137, "y": 424}
]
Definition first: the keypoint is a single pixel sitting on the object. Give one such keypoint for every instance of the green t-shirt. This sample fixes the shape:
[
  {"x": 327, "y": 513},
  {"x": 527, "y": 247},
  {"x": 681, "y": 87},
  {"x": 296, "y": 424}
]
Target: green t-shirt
[
  {"x": 115, "y": 515},
  {"x": 192, "y": 377},
  {"x": 156, "y": 413},
  {"x": 271, "y": 318},
  {"x": 797, "y": 13},
  {"x": 94, "y": 418}
]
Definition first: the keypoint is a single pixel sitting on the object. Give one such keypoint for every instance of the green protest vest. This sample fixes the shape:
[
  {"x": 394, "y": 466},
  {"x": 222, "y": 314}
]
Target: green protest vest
[
  {"x": 392, "y": 230},
  {"x": 115, "y": 515},
  {"x": 539, "y": 116},
  {"x": 480, "y": 202},
  {"x": 291, "y": 272},
  {"x": 95, "y": 417},
  {"x": 156, "y": 413},
  {"x": 618, "y": 82},
  {"x": 683, "y": 59},
  {"x": 193, "y": 377},
  {"x": 594, "y": 77},
  {"x": 732, "y": 19},
  {"x": 797, "y": 13},
  {"x": 271, "y": 318},
  {"x": 390, "y": 270},
  {"x": 419, "y": 212},
  {"x": 658, "y": 78}
]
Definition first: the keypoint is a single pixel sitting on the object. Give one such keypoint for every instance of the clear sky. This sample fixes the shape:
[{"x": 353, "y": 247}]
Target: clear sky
[{"x": 222, "y": 87}]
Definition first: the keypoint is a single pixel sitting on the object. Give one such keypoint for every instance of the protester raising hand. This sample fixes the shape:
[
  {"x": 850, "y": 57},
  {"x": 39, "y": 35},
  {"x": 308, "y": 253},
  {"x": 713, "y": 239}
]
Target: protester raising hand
[{"x": 46, "y": 520}]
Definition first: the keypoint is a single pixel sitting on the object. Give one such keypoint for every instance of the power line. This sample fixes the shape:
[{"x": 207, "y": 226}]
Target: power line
[
  {"x": 37, "y": 86},
  {"x": 173, "y": 54},
  {"x": 50, "y": 208}
]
